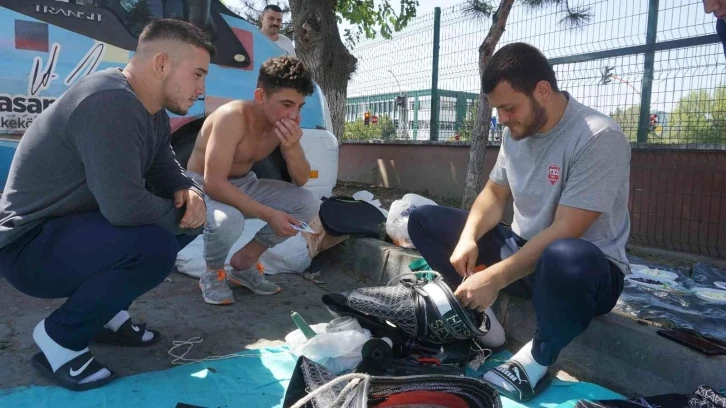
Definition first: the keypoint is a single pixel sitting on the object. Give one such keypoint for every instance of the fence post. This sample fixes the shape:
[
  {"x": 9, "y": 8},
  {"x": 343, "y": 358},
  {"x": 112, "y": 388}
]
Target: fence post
[
  {"x": 648, "y": 66},
  {"x": 434, "y": 125}
]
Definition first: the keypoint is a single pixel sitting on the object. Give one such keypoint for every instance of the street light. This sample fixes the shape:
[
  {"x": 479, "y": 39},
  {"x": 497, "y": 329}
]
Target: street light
[{"x": 402, "y": 101}]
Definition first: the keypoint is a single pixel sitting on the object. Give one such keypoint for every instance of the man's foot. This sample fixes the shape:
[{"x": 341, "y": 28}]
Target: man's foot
[
  {"x": 121, "y": 331},
  {"x": 215, "y": 289},
  {"x": 253, "y": 278},
  {"x": 521, "y": 378},
  {"x": 74, "y": 370},
  {"x": 494, "y": 339}
]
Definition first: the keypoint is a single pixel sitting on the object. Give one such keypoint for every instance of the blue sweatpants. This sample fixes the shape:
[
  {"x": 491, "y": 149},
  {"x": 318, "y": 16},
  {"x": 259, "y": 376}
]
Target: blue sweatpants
[
  {"x": 572, "y": 283},
  {"x": 99, "y": 267}
]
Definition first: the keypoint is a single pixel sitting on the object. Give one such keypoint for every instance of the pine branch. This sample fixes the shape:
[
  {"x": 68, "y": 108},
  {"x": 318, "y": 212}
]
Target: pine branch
[{"x": 478, "y": 9}]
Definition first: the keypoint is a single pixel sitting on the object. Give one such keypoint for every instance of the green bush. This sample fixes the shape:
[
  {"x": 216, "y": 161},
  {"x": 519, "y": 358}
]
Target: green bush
[{"x": 383, "y": 130}]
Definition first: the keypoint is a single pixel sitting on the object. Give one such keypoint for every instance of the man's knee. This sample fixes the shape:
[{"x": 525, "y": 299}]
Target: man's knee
[
  {"x": 569, "y": 262},
  {"x": 308, "y": 203},
  {"x": 419, "y": 221},
  {"x": 224, "y": 223},
  {"x": 154, "y": 253}
]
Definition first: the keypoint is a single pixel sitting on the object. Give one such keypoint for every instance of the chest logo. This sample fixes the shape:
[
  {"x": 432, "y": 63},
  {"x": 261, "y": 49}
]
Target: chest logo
[{"x": 553, "y": 174}]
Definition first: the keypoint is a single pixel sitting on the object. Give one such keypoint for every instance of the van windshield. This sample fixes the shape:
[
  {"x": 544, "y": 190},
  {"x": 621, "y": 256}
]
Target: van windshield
[{"x": 134, "y": 14}]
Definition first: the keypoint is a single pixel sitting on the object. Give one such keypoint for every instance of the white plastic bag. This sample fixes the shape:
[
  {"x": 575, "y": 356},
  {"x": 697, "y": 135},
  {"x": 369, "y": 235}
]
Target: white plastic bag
[
  {"x": 291, "y": 256},
  {"x": 397, "y": 221},
  {"x": 338, "y": 351},
  {"x": 368, "y": 197}
]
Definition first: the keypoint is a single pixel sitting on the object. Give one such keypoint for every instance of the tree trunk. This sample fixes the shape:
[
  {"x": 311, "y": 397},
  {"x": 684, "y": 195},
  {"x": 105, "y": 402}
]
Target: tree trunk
[
  {"x": 319, "y": 47},
  {"x": 480, "y": 136}
]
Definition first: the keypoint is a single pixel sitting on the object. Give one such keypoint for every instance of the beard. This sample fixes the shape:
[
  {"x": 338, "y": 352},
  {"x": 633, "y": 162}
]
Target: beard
[
  {"x": 172, "y": 97},
  {"x": 539, "y": 119},
  {"x": 176, "y": 109}
]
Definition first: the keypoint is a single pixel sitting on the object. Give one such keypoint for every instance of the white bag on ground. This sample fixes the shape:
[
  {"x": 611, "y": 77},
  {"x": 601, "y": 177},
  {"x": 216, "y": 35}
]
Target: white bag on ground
[
  {"x": 291, "y": 256},
  {"x": 368, "y": 197},
  {"x": 397, "y": 221},
  {"x": 338, "y": 352}
]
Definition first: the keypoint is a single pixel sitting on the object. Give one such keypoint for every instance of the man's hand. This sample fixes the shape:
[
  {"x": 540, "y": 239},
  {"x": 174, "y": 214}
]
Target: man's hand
[
  {"x": 289, "y": 132},
  {"x": 280, "y": 222},
  {"x": 479, "y": 291},
  {"x": 195, "y": 214},
  {"x": 464, "y": 257}
]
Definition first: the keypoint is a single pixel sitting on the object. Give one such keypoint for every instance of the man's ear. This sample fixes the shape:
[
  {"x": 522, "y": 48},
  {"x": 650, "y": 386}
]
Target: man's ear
[
  {"x": 259, "y": 95},
  {"x": 161, "y": 65},
  {"x": 543, "y": 91}
]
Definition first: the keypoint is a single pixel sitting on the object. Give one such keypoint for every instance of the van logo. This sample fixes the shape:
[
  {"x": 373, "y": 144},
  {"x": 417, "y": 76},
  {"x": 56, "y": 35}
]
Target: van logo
[{"x": 57, "y": 11}]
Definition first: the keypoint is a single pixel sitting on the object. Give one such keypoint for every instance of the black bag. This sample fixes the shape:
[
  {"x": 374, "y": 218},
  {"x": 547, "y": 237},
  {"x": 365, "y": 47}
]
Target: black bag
[{"x": 348, "y": 216}]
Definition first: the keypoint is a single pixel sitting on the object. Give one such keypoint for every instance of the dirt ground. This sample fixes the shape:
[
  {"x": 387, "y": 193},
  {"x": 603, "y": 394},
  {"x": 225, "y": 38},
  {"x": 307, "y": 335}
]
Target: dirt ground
[{"x": 176, "y": 309}]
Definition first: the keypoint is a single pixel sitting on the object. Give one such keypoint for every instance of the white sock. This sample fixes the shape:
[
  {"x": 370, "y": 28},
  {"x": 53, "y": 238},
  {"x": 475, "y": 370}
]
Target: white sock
[
  {"x": 58, "y": 355},
  {"x": 534, "y": 370},
  {"x": 121, "y": 318},
  {"x": 495, "y": 336}
]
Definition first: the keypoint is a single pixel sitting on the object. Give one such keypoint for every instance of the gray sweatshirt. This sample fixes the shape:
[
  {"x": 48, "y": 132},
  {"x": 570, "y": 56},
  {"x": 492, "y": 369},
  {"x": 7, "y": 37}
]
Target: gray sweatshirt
[{"x": 94, "y": 148}]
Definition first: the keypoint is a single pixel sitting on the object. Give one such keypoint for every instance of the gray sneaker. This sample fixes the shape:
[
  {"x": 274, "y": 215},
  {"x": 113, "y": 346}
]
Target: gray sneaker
[
  {"x": 253, "y": 278},
  {"x": 215, "y": 289}
]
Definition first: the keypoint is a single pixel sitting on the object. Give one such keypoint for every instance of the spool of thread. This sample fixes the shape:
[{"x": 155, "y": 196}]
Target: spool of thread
[
  {"x": 377, "y": 354},
  {"x": 343, "y": 323},
  {"x": 304, "y": 327}
]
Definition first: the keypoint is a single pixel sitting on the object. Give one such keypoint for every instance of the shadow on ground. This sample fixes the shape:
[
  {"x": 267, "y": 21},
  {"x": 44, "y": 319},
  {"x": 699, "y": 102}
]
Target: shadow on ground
[{"x": 177, "y": 310}]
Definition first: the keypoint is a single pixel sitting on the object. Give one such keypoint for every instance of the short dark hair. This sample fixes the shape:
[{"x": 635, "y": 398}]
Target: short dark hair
[
  {"x": 285, "y": 72},
  {"x": 272, "y": 7},
  {"x": 520, "y": 64},
  {"x": 177, "y": 30}
]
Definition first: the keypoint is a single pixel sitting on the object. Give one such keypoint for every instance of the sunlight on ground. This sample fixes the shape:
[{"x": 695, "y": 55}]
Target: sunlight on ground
[{"x": 201, "y": 374}]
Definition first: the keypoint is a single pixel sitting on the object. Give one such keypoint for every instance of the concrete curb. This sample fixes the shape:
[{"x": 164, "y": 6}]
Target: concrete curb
[{"x": 615, "y": 351}]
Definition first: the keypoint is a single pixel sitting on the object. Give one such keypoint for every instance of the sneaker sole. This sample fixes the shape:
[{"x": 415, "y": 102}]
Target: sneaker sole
[
  {"x": 257, "y": 291},
  {"x": 215, "y": 302}
]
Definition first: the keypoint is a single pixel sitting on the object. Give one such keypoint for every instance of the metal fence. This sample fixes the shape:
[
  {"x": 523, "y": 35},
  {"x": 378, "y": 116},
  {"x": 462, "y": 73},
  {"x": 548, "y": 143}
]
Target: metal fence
[{"x": 655, "y": 66}]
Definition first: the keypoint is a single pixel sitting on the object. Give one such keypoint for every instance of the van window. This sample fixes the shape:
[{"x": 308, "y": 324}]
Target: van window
[{"x": 135, "y": 14}]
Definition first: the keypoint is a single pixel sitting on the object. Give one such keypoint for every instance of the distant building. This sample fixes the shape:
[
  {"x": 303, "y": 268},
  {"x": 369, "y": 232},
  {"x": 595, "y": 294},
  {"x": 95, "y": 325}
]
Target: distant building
[{"x": 411, "y": 111}]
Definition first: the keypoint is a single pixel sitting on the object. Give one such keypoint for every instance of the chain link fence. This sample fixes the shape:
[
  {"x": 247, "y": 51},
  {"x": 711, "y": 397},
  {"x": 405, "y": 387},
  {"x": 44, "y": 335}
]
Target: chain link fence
[{"x": 656, "y": 67}]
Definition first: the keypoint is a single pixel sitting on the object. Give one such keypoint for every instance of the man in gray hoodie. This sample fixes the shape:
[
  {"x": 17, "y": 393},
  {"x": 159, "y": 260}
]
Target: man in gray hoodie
[{"x": 77, "y": 220}]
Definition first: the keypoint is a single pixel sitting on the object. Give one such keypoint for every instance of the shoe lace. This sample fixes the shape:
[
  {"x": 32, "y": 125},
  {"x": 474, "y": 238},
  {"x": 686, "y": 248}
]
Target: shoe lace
[
  {"x": 260, "y": 269},
  {"x": 221, "y": 275}
]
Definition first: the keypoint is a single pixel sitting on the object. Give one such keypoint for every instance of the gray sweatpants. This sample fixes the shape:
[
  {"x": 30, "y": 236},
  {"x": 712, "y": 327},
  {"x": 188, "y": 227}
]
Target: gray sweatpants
[{"x": 225, "y": 223}]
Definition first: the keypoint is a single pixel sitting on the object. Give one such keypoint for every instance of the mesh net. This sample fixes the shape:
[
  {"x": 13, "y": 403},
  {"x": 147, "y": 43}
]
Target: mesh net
[
  {"x": 379, "y": 389},
  {"x": 315, "y": 377}
]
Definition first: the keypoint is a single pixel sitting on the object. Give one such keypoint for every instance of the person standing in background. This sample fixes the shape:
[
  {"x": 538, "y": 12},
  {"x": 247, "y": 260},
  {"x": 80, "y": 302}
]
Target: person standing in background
[
  {"x": 271, "y": 23},
  {"x": 718, "y": 9}
]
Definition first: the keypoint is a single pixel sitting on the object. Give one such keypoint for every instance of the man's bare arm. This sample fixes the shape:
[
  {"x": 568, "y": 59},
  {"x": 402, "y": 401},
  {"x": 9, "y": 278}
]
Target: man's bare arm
[
  {"x": 569, "y": 223},
  {"x": 297, "y": 164},
  {"x": 223, "y": 140},
  {"x": 487, "y": 210}
]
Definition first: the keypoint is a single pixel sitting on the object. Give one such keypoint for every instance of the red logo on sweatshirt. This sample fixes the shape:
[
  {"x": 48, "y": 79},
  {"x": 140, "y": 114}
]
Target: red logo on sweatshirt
[{"x": 553, "y": 174}]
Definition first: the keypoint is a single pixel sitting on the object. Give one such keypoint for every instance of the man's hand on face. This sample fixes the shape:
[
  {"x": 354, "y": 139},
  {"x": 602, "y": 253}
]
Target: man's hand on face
[
  {"x": 195, "y": 214},
  {"x": 289, "y": 132}
]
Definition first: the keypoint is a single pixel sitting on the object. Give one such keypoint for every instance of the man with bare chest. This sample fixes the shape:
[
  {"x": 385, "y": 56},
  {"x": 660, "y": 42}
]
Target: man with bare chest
[{"x": 232, "y": 139}]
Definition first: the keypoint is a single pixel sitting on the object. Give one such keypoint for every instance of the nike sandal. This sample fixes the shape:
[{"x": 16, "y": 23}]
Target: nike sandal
[
  {"x": 69, "y": 374},
  {"x": 128, "y": 335},
  {"x": 514, "y": 374}
]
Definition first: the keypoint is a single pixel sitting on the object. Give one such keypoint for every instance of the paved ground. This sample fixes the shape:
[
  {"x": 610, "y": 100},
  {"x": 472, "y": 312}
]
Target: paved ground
[{"x": 177, "y": 310}]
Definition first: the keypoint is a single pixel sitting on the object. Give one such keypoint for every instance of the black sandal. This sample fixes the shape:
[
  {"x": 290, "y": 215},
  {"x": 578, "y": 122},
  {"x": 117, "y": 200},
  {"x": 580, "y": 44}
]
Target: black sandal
[
  {"x": 513, "y": 373},
  {"x": 128, "y": 335},
  {"x": 69, "y": 374}
]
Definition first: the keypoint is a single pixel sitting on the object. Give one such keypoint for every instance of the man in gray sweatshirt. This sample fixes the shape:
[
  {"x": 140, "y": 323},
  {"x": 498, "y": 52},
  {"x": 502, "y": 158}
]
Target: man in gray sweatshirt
[{"x": 76, "y": 217}]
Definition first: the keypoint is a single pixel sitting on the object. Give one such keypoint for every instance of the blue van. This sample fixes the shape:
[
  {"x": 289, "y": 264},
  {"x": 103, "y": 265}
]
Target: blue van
[{"x": 48, "y": 45}]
